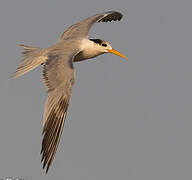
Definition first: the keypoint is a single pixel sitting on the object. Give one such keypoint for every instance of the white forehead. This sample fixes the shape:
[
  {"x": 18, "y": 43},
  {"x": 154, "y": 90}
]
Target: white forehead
[{"x": 108, "y": 45}]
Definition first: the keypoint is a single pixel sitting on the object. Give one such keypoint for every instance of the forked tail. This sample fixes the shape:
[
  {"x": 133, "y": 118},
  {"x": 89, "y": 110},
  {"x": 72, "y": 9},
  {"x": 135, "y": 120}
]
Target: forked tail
[{"x": 32, "y": 58}]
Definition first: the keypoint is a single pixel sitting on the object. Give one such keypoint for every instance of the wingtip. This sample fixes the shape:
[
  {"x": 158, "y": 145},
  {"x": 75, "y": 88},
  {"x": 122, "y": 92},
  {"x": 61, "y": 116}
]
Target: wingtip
[
  {"x": 12, "y": 76},
  {"x": 47, "y": 169},
  {"x": 111, "y": 16},
  {"x": 44, "y": 164}
]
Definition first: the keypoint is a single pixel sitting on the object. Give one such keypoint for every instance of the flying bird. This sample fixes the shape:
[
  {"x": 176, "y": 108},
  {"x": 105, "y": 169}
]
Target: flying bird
[{"x": 58, "y": 74}]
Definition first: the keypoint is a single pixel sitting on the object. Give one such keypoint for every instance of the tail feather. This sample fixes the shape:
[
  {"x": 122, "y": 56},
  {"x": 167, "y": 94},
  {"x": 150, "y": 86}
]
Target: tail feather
[{"x": 32, "y": 58}]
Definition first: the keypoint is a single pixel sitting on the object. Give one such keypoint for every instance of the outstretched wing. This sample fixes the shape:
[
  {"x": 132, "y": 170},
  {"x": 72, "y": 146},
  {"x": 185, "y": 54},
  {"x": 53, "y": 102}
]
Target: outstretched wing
[
  {"x": 58, "y": 76},
  {"x": 81, "y": 29}
]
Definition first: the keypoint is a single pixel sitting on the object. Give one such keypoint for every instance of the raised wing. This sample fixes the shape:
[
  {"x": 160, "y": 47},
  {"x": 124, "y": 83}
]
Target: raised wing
[
  {"x": 81, "y": 29},
  {"x": 58, "y": 76}
]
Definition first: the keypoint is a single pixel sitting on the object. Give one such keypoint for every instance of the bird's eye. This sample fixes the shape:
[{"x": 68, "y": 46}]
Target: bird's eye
[{"x": 104, "y": 45}]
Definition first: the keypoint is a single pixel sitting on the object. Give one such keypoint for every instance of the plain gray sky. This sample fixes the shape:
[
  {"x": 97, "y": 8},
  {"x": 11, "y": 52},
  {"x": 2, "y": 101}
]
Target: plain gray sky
[{"x": 128, "y": 119}]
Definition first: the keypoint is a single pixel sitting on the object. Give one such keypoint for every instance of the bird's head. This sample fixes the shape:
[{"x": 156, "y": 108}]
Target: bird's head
[{"x": 104, "y": 47}]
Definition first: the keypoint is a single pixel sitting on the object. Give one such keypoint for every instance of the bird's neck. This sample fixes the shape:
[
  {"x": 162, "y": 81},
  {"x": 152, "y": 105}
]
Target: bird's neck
[{"x": 89, "y": 50}]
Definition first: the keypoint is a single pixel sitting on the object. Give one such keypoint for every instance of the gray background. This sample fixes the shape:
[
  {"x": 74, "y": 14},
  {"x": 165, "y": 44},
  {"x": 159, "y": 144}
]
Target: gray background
[{"x": 127, "y": 119}]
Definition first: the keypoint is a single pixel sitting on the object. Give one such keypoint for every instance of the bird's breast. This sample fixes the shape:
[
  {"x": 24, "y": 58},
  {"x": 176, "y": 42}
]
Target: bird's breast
[{"x": 86, "y": 54}]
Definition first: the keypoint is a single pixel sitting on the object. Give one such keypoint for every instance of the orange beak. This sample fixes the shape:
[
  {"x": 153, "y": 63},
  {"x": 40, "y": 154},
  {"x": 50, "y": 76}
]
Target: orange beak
[{"x": 117, "y": 53}]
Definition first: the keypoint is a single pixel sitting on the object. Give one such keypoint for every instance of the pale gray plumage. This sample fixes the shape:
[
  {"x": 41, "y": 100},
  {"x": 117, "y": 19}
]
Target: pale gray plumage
[
  {"x": 81, "y": 29},
  {"x": 58, "y": 74}
]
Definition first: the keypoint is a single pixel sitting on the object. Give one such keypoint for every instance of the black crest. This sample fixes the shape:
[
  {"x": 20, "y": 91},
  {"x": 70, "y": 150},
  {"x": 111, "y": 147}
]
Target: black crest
[{"x": 97, "y": 41}]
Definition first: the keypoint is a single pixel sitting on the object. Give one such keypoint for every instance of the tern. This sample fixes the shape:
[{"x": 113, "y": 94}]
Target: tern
[{"x": 58, "y": 74}]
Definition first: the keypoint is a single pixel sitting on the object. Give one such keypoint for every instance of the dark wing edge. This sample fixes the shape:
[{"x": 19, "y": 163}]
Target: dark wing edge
[
  {"x": 111, "y": 16},
  {"x": 52, "y": 130},
  {"x": 82, "y": 28},
  {"x": 58, "y": 76}
]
